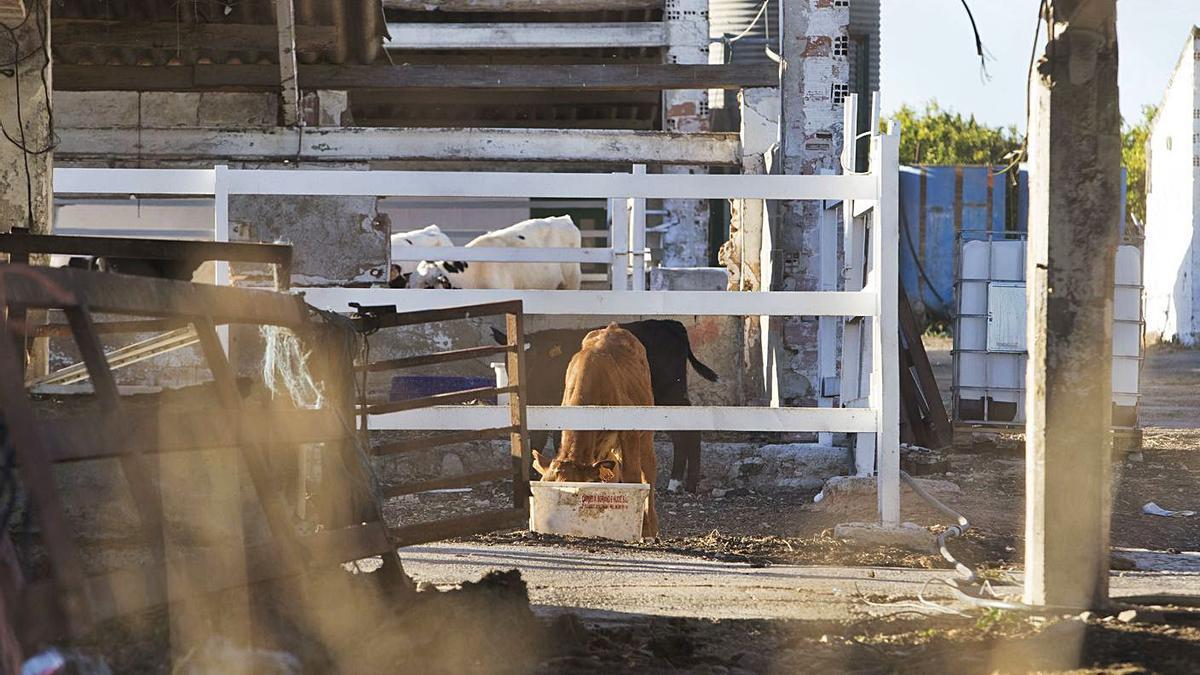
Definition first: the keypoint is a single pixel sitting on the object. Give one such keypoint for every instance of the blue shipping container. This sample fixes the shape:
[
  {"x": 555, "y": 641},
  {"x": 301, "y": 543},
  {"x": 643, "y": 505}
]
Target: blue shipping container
[{"x": 936, "y": 204}]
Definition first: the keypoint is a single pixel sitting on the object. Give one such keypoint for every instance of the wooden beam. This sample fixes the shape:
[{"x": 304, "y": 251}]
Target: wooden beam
[
  {"x": 395, "y": 143},
  {"x": 155, "y": 249},
  {"x": 45, "y": 287},
  {"x": 285, "y": 25},
  {"x": 622, "y": 77},
  {"x": 493, "y": 36},
  {"x": 521, "y": 5},
  {"x": 98, "y": 34}
]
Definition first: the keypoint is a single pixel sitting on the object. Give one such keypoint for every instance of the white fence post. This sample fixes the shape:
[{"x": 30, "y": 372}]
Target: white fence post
[
  {"x": 221, "y": 233},
  {"x": 618, "y": 241},
  {"x": 885, "y": 369},
  {"x": 637, "y": 236}
]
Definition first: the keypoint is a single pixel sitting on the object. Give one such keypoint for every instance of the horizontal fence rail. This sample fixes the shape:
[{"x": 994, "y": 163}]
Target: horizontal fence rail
[
  {"x": 611, "y": 303},
  {"x": 657, "y": 418},
  {"x": 461, "y": 184},
  {"x": 875, "y": 234}
]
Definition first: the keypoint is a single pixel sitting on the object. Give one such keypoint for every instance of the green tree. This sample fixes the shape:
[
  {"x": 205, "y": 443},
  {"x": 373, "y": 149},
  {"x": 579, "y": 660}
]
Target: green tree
[
  {"x": 936, "y": 136},
  {"x": 1133, "y": 157}
]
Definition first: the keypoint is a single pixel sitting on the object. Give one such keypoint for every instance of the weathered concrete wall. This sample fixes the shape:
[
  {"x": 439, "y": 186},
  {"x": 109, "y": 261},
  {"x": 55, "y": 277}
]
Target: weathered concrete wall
[
  {"x": 812, "y": 92},
  {"x": 685, "y": 243},
  {"x": 25, "y": 177},
  {"x": 164, "y": 110},
  {"x": 724, "y": 465},
  {"x": 335, "y": 240}
]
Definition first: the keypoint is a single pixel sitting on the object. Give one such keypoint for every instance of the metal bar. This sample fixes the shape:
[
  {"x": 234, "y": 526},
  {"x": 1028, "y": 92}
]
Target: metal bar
[
  {"x": 134, "y": 181},
  {"x": 440, "y": 357},
  {"x": 598, "y": 303},
  {"x": 419, "y": 315},
  {"x": 422, "y": 533},
  {"x": 618, "y": 217},
  {"x": 125, "y": 356},
  {"x": 439, "y": 440},
  {"x": 570, "y": 185},
  {"x": 885, "y": 376},
  {"x": 499, "y": 254},
  {"x": 621, "y": 418},
  {"x": 449, "y": 483},
  {"x": 637, "y": 237},
  {"x": 438, "y": 399}
]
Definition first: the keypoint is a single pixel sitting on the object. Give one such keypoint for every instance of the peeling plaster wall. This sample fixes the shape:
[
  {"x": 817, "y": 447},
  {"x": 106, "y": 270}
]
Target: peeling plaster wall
[
  {"x": 685, "y": 243},
  {"x": 14, "y": 195},
  {"x": 812, "y": 88}
]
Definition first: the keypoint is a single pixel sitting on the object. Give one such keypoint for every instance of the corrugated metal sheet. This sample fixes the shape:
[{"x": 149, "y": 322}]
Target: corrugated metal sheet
[
  {"x": 731, "y": 17},
  {"x": 936, "y": 204},
  {"x": 940, "y": 204},
  {"x": 359, "y": 29}
]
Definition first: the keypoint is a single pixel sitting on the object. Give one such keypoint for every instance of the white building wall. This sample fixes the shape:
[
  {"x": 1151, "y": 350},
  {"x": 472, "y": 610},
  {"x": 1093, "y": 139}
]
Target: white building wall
[{"x": 1172, "y": 275}]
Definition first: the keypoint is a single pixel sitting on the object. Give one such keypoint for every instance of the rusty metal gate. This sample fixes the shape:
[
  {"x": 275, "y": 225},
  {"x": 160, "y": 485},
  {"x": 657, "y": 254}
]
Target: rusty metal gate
[{"x": 371, "y": 319}]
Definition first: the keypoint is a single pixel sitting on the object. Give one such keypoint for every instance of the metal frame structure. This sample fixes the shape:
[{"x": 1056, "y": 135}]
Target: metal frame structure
[
  {"x": 69, "y": 601},
  {"x": 985, "y": 419},
  {"x": 870, "y": 203},
  {"x": 515, "y": 427}
]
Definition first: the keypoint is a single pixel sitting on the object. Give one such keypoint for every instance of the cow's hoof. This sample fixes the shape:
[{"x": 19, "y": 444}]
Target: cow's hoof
[{"x": 673, "y": 486}]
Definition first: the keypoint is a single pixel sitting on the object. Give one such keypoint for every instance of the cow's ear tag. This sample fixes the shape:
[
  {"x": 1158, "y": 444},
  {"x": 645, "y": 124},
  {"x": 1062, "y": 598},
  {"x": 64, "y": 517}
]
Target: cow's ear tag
[{"x": 555, "y": 351}]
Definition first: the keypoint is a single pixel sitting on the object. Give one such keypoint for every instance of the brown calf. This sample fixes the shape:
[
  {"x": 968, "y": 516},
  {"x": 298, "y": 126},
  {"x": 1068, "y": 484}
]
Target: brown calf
[{"x": 610, "y": 369}]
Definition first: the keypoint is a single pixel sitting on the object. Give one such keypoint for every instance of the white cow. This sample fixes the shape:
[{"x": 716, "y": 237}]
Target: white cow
[
  {"x": 426, "y": 237},
  {"x": 553, "y": 232}
]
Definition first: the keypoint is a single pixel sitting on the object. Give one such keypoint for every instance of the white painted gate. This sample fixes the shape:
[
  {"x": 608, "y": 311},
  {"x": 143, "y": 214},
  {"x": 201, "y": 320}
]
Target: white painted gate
[{"x": 872, "y": 198}]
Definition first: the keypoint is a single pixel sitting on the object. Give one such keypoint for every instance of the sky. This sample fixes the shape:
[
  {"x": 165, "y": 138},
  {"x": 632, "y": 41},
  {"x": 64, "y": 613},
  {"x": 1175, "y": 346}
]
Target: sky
[{"x": 928, "y": 52}]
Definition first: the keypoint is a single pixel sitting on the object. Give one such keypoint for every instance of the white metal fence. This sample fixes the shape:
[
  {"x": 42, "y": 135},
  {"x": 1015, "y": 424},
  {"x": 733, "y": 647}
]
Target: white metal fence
[{"x": 870, "y": 203}]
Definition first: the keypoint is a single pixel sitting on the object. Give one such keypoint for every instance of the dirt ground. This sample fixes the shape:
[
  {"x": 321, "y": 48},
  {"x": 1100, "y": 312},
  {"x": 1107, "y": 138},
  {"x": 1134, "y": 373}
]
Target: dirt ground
[{"x": 488, "y": 628}]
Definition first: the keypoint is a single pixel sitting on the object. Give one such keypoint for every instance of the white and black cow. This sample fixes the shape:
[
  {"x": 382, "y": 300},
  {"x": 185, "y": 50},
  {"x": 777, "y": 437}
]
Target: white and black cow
[
  {"x": 668, "y": 350},
  {"x": 430, "y": 236},
  {"x": 553, "y": 232}
]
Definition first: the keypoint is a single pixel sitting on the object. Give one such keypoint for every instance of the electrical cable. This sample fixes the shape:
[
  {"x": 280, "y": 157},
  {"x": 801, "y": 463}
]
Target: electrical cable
[
  {"x": 1043, "y": 10},
  {"x": 979, "y": 49},
  {"x": 23, "y": 143}
]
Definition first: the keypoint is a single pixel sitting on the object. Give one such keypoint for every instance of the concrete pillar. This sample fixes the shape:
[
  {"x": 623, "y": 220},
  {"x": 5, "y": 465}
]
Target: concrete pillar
[
  {"x": 685, "y": 242},
  {"x": 1074, "y": 216},
  {"x": 813, "y": 87},
  {"x": 25, "y": 176}
]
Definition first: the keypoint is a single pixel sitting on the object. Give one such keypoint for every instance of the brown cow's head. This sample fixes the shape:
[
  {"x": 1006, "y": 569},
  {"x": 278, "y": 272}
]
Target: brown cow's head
[{"x": 605, "y": 469}]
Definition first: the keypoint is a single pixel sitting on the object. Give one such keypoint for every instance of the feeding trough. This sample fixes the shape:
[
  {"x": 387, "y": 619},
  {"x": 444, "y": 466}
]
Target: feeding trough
[{"x": 607, "y": 510}]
